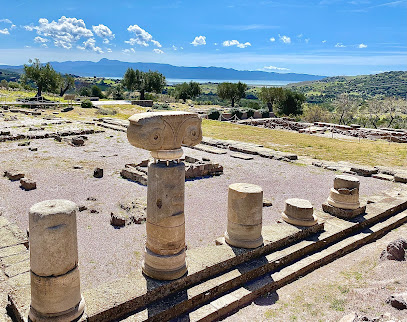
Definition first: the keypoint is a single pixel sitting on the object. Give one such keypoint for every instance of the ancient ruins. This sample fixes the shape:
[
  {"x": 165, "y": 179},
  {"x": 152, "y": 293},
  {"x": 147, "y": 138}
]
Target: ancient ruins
[{"x": 174, "y": 267}]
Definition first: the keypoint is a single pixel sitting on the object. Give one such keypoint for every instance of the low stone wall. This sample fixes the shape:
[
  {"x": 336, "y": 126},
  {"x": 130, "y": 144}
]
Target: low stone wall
[
  {"x": 194, "y": 168},
  {"x": 144, "y": 103}
]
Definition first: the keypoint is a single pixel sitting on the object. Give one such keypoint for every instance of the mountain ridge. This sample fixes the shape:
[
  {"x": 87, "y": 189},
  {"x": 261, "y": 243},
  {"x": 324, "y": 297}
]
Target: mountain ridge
[{"x": 116, "y": 68}]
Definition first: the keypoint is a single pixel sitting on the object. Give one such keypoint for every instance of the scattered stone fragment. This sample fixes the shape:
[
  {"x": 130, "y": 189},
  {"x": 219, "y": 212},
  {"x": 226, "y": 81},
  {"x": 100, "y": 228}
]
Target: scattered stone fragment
[
  {"x": 77, "y": 141},
  {"x": 400, "y": 177},
  {"x": 26, "y": 143},
  {"x": 13, "y": 175},
  {"x": 33, "y": 149},
  {"x": 94, "y": 211},
  {"x": 4, "y": 132},
  {"x": 267, "y": 202},
  {"x": 241, "y": 156},
  {"x": 58, "y": 138},
  {"x": 398, "y": 301},
  {"x": 28, "y": 184},
  {"x": 98, "y": 173},
  {"x": 76, "y": 167},
  {"x": 365, "y": 171},
  {"x": 382, "y": 176},
  {"x": 82, "y": 208},
  {"x": 66, "y": 109},
  {"x": 91, "y": 199},
  {"x": 133, "y": 212},
  {"x": 395, "y": 250},
  {"x": 117, "y": 220},
  {"x": 220, "y": 241},
  {"x": 205, "y": 159}
]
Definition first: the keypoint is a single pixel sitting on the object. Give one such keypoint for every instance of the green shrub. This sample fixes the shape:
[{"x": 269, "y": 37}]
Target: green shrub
[
  {"x": 237, "y": 112},
  {"x": 163, "y": 106},
  {"x": 86, "y": 104},
  {"x": 250, "y": 112},
  {"x": 264, "y": 113},
  {"x": 213, "y": 114},
  {"x": 106, "y": 111}
]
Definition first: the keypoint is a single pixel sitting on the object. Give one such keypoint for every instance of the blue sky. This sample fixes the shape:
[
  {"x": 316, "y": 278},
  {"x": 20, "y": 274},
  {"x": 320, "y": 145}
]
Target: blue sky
[{"x": 324, "y": 37}]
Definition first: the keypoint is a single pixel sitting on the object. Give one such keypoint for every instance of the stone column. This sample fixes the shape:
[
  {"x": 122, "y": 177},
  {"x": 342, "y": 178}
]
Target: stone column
[
  {"x": 55, "y": 283},
  {"x": 299, "y": 212},
  {"x": 343, "y": 200},
  {"x": 245, "y": 210},
  {"x": 163, "y": 133}
]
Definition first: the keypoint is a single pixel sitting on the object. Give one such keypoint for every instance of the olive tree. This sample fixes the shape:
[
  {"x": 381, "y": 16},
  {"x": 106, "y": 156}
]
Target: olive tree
[
  {"x": 66, "y": 83},
  {"x": 186, "y": 91},
  {"x": 43, "y": 76},
  {"x": 143, "y": 81},
  {"x": 232, "y": 91}
]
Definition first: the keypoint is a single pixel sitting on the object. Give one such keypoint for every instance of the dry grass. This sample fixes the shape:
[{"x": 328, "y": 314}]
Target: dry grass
[{"x": 364, "y": 152}]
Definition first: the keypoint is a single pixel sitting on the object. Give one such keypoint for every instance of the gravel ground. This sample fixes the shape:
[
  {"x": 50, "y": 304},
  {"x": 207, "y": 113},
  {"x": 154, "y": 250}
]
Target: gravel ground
[{"x": 106, "y": 253}]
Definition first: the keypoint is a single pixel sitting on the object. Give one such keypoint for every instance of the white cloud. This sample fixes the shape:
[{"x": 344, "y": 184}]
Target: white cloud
[
  {"x": 6, "y": 21},
  {"x": 44, "y": 45},
  {"x": 90, "y": 44},
  {"x": 199, "y": 41},
  {"x": 275, "y": 68},
  {"x": 156, "y": 43},
  {"x": 13, "y": 27},
  {"x": 106, "y": 41},
  {"x": 4, "y": 31},
  {"x": 128, "y": 51},
  {"x": 174, "y": 48},
  {"x": 158, "y": 51},
  {"x": 362, "y": 46},
  {"x": 323, "y": 41},
  {"x": 272, "y": 39},
  {"x": 300, "y": 35},
  {"x": 340, "y": 45},
  {"x": 141, "y": 37},
  {"x": 306, "y": 40},
  {"x": 109, "y": 50},
  {"x": 228, "y": 43},
  {"x": 103, "y": 31},
  {"x": 64, "y": 32},
  {"x": 285, "y": 39},
  {"x": 40, "y": 40},
  {"x": 29, "y": 27},
  {"x": 181, "y": 48}
]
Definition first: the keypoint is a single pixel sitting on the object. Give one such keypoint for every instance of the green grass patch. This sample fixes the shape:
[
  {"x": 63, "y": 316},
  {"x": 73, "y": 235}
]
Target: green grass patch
[{"x": 364, "y": 152}]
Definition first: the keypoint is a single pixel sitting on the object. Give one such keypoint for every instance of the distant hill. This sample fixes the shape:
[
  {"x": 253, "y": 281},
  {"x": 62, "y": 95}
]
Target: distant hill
[
  {"x": 9, "y": 75},
  {"x": 364, "y": 86},
  {"x": 116, "y": 68}
]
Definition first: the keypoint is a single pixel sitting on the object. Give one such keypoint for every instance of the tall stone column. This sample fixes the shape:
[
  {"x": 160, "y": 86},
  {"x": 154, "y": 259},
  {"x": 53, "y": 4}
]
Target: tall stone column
[
  {"x": 55, "y": 283},
  {"x": 163, "y": 133}
]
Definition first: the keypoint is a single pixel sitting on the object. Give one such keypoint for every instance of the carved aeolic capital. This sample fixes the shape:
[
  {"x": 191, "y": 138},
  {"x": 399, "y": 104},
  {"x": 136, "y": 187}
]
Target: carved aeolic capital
[{"x": 164, "y": 132}]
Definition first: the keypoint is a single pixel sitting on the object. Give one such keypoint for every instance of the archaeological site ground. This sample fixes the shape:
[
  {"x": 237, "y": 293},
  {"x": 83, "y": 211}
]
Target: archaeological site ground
[{"x": 177, "y": 217}]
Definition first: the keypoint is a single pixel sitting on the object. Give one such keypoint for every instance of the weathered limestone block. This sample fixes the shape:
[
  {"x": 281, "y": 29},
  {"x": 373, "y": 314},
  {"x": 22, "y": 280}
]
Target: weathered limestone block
[
  {"x": 245, "y": 207},
  {"x": 163, "y": 133},
  {"x": 299, "y": 212},
  {"x": 343, "y": 200},
  {"x": 55, "y": 283}
]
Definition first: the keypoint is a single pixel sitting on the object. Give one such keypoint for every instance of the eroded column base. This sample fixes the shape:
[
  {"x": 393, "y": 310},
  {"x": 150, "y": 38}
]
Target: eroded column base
[
  {"x": 70, "y": 315},
  {"x": 299, "y": 222},
  {"x": 164, "y": 267},
  {"x": 343, "y": 213},
  {"x": 241, "y": 243}
]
